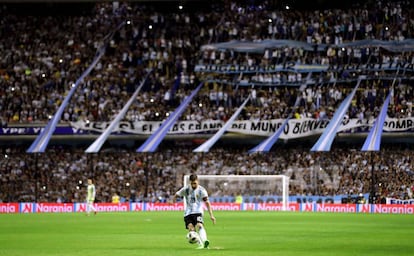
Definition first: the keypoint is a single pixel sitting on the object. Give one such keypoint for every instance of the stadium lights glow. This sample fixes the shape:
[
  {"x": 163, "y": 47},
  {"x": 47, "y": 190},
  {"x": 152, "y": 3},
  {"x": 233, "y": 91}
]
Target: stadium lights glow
[
  {"x": 127, "y": 184},
  {"x": 200, "y": 105},
  {"x": 128, "y": 22},
  {"x": 73, "y": 85},
  {"x": 43, "y": 75},
  {"x": 6, "y": 156},
  {"x": 157, "y": 114},
  {"x": 49, "y": 116},
  {"x": 80, "y": 182},
  {"x": 151, "y": 100},
  {"x": 60, "y": 60},
  {"x": 287, "y": 7},
  {"x": 12, "y": 89},
  {"x": 167, "y": 114},
  {"x": 150, "y": 27},
  {"x": 180, "y": 7},
  {"x": 270, "y": 20}
]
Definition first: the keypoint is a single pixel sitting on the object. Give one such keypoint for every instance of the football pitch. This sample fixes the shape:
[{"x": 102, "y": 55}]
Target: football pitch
[{"x": 236, "y": 233}]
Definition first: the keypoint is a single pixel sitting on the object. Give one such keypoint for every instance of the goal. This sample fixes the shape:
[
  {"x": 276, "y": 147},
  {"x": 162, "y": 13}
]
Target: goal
[{"x": 253, "y": 188}]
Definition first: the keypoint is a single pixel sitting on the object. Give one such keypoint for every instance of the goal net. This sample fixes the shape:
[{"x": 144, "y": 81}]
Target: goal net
[{"x": 252, "y": 188}]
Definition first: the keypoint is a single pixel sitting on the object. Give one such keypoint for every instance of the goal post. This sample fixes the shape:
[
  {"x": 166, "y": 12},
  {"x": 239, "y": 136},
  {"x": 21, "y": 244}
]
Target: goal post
[{"x": 251, "y": 187}]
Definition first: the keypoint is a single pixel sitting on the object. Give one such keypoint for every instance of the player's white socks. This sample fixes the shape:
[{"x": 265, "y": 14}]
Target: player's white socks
[
  {"x": 90, "y": 208},
  {"x": 203, "y": 234}
]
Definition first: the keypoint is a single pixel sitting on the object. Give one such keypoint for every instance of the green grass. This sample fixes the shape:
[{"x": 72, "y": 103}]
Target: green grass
[{"x": 236, "y": 233}]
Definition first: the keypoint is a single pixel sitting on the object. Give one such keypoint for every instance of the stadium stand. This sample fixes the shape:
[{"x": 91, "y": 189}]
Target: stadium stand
[{"x": 45, "y": 53}]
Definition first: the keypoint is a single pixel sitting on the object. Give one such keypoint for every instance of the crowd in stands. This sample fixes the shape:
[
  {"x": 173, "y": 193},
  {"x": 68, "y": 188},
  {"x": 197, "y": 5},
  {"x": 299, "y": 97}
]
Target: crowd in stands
[
  {"x": 60, "y": 175},
  {"x": 43, "y": 56}
]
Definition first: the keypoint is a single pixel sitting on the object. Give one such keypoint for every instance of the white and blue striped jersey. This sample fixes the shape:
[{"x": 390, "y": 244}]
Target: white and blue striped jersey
[{"x": 193, "y": 199}]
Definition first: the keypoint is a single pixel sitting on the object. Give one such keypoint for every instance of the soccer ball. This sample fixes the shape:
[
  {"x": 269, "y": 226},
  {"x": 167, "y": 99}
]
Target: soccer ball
[{"x": 192, "y": 237}]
